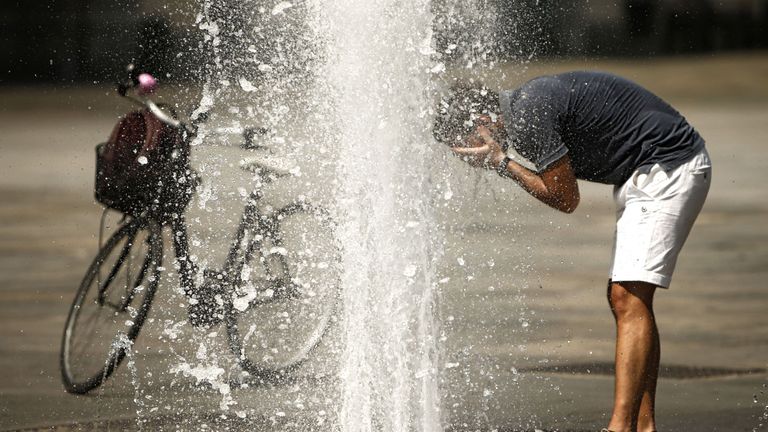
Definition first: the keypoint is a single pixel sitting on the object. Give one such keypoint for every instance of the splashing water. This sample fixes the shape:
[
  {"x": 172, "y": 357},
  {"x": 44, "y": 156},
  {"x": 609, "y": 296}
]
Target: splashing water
[
  {"x": 122, "y": 342},
  {"x": 363, "y": 100},
  {"x": 379, "y": 77}
]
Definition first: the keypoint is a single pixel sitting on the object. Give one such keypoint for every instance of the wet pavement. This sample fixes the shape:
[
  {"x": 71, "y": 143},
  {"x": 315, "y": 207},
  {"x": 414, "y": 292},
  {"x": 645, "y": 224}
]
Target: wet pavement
[{"x": 528, "y": 331}]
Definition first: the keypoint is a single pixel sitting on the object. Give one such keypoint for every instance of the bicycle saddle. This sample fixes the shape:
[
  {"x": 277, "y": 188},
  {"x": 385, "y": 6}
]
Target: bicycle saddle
[{"x": 266, "y": 166}]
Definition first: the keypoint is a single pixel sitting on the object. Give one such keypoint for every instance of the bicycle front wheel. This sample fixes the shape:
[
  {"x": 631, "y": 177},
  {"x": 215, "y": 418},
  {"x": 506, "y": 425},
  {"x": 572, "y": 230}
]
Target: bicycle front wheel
[
  {"x": 287, "y": 294},
  {"x": 110, "y": 305}
]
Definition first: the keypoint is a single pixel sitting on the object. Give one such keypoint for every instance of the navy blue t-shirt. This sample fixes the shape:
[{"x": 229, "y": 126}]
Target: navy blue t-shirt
[{"x": 608, "y": 125}]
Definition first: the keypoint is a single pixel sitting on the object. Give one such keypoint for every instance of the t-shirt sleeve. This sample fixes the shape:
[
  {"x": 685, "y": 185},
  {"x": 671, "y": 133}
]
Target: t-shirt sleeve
[{"x": 535, "y": 130}]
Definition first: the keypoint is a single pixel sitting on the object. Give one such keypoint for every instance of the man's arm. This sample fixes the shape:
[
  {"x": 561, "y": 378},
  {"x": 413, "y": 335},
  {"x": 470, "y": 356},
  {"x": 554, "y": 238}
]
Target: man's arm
[{"x": 556, "y": 186}]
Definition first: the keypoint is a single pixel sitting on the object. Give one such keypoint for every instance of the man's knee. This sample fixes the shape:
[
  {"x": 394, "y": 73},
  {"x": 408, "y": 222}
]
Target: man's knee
[{"x": 630, "y": 297}]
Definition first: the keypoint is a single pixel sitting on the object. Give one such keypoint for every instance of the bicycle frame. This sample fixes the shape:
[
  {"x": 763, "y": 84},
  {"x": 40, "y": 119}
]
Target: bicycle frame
[
  {"x": 242, "y": 246},
  {"x": 244, "y": 304},
  {"x": 240, "y": 251}
]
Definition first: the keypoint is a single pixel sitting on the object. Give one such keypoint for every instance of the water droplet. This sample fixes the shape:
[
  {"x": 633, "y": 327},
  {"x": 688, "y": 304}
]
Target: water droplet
[{"x": 410, "y": 270}]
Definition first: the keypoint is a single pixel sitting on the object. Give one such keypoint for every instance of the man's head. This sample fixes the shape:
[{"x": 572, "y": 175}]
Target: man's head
[{"x": 462, "y": 110}]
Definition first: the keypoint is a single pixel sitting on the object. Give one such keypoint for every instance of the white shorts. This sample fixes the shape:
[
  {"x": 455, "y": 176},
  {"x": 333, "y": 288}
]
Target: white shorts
[{"x": 655, "y": 212}]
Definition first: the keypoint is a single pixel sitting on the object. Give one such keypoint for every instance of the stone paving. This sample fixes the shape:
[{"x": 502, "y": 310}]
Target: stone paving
[{"x": 529, "y": 338}]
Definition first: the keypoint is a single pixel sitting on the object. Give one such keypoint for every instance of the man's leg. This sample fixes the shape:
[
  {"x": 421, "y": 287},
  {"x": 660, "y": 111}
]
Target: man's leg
[
  {"x": 637, "y": 356},
  {"x": 646, "y": 421}
]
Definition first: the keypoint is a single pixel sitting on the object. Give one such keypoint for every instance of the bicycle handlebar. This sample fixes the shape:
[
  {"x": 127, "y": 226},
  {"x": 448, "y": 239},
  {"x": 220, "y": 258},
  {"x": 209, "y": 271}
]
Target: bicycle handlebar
[
  {"x": 163, "y": 116},
  {"x": 145, "y": 85}
]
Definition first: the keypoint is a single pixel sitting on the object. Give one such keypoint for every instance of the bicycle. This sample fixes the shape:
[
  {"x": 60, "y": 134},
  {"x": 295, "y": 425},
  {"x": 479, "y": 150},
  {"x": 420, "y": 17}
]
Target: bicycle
[{"x": 276, "y": 292}]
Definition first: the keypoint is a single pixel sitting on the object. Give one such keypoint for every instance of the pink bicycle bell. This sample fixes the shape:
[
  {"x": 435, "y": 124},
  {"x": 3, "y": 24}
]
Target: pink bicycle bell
[{"x": 147, "y": 84}]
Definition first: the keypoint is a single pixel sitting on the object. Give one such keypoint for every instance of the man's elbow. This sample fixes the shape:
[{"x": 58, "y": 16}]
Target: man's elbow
[
  {"x": 565, "y": 203},
  {"x": 568, "y": 205}
]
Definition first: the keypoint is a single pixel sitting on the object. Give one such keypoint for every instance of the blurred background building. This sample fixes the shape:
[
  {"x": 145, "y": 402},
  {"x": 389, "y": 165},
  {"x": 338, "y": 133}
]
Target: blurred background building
[
  {"x": 88, "y": 40},
  {"x": 650, "y": 27}
]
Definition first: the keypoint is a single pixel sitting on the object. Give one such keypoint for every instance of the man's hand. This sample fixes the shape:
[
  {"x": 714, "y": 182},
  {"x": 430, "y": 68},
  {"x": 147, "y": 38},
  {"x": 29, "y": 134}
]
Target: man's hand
[
  {"x": 482, "y": 149},
  {"x": 556, "y": 186}
]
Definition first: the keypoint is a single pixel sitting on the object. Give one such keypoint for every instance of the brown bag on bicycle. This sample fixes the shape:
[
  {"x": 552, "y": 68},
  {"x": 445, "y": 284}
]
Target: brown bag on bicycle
[{"x": 144, "y": 167}]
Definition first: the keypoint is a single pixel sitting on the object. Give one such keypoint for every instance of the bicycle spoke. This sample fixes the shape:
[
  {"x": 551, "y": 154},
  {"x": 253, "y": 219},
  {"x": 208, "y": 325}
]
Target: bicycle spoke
[
  {"x": 292, "y": 299},
  {"x": 116, "y": 267},
  {"x": 102, "y": 319}
]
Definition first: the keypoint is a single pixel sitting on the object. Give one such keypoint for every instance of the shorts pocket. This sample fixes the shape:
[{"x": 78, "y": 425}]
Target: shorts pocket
[
  {"x": 700, "y": 164},
  {"x": 645, "y": 184}
]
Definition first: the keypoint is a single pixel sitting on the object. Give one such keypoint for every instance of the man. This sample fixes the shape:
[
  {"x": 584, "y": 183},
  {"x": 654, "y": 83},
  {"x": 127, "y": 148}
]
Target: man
[{"x": 602, "y": 128}]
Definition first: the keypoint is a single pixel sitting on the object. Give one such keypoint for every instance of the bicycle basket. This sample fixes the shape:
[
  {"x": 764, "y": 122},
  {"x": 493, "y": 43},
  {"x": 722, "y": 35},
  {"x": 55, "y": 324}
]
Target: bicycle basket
[{"x": 144, "y": 167}]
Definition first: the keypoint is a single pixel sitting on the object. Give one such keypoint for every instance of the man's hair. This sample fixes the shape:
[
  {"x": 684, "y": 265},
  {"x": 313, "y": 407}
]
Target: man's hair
[{"x": 458, "y": 110}]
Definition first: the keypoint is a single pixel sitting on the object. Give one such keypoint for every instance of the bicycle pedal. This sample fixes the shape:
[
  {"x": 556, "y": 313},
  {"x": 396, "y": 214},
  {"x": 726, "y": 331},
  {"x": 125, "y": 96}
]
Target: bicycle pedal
[
  {"x": 287, "y": 292},
  {"x": 206, "y": 308}
]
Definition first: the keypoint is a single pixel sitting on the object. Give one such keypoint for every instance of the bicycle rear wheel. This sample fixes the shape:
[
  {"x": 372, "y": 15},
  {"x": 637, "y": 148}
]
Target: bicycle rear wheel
[
  {"x": 287, "y": 294},
  {"x": 110, "y": 305}
]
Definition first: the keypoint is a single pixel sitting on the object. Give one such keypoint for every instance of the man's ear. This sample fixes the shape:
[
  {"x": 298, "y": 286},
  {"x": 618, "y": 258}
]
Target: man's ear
[{"x": 499, "y": 133}]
